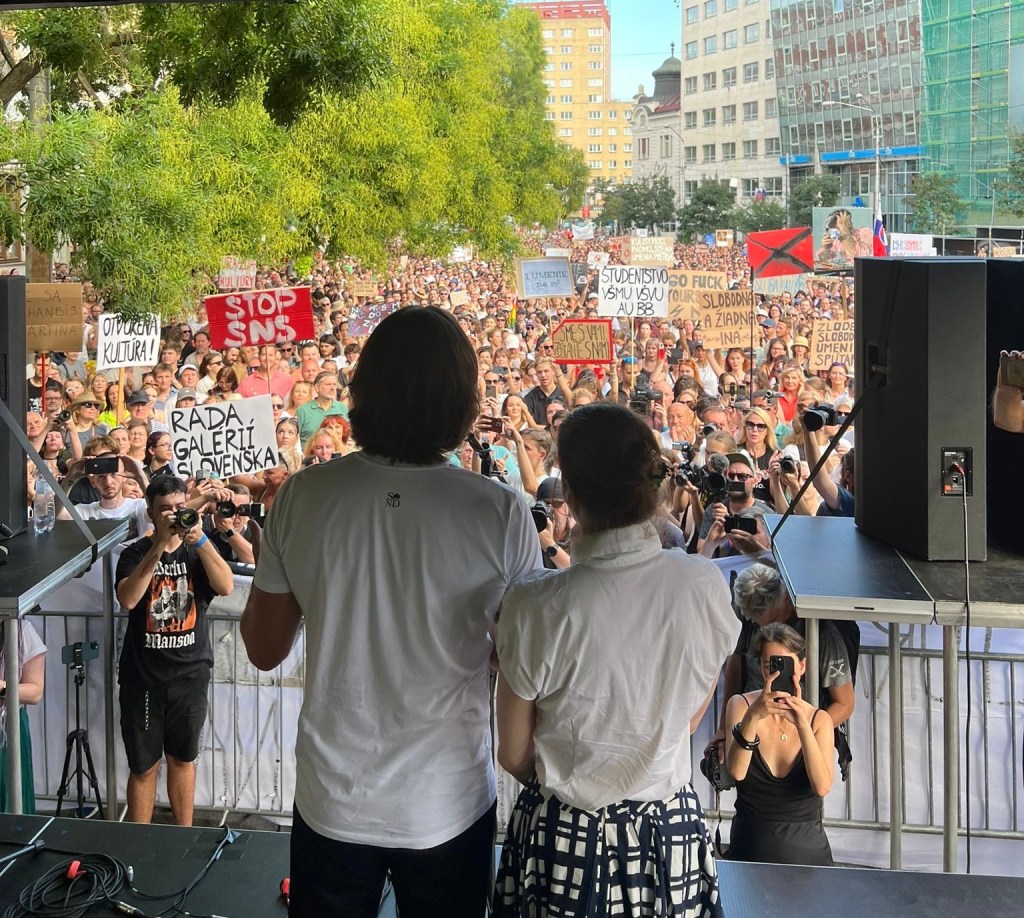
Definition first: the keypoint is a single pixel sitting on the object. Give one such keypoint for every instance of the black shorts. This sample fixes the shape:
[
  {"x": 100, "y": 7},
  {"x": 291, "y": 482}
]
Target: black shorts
[{"x": 158, "y": 721}]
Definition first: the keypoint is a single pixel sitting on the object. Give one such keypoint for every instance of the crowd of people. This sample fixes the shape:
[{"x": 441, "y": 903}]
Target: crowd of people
[{"x": 671, "y": 445}]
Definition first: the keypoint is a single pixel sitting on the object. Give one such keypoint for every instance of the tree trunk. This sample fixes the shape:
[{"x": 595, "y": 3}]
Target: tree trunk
[{"x": 17, "y": 78}]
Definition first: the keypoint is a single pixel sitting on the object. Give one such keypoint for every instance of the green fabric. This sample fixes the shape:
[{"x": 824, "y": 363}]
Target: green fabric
[{"x": 28, "y": 792}]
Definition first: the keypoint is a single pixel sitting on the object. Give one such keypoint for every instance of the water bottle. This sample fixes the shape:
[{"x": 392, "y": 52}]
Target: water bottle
[{"x": 43, "y": 511}]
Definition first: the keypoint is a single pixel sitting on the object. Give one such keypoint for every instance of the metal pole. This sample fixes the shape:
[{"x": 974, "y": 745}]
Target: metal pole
[
  {"x": 895, "y": 749},
  {"x": 12, "y": 631},
  {"x": 951, "y": 748},
  {"x": 812, "y": 674},
  {"x": 878, "y": 162},
  {"x": 109, "y": 649}
]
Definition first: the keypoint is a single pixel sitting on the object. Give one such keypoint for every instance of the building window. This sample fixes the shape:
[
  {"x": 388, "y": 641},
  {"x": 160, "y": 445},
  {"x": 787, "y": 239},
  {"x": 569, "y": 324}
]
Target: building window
[
  {"x": 550, "y": 84},
  {"x": 613, "y": 164},
  {"x": 769, "y": 68},
  {"x": 773, "y": 187},
  {"x": 750, "y": 149},
  {"x": 771, "y": 108},
  {"x": 566, "y": 100},
  {"x": 549, "y": 116},
  {"x": 595, "y": 32},
  {"x": 750, "y": 186},
  {"x": 595, "y": 164},
  {"x": 595, "y": 81},
  {"x": 613, "y": 147},
  {"x": 689, "y": 155},
  {"x": 910, "y": 124},
  {"x": 665, "y": 143},
  {"x": 565, "y": 49},
  {"x": 711, "y": 44},
  {"x": 565, "y": 132},
  {"x": 750, "y": 72},
  {"x": 596, "y": 132},
  {"x": 613, "y": 114},
  {"x": 710, "y": 8},
  {"x": 551, "y": 100},
  {"x": 729, "y": 77},
  {"x": 710, "y": 81},
  {"x": 643, "y": 148},
  {"x": 708, "y": 152},
  {"x": 613, "y": 132},
  {"x": 729, "y": 39},
  {"x": 548, "y": 33},
  {"x": 594, "y": 116},
  {"x": 728, "y": 151},
  {"x": 709, "y": 117},
  {"x": 548, "y": 67},
  {"x": 728, "y": 114},
  {"x": 627, "y": 148},
  {"x": 593, "y": 148},
  {"x": 690, "y": 121},
  {"x": 595, "y": 98},
  {"x": 691, "y": 15},
  {"x": 566, "y": 33},
  {"x": 595, "y": 49},
  {"x": 689, "y": 190},
  {"x": 595, "y": 65},
  {"x": 730, "y": 5},
  {"x": 565, "y": 84},
  {"x": 750, "y": 111},
  {"x": 691, "y": 50},
  {"x": 565, "y": 65},
  {"x": 566, "y": 116},
  {"x": 773, "y": 146},
  {"x": 751, "y": 33},
  {"x": 690, "y": 85}
]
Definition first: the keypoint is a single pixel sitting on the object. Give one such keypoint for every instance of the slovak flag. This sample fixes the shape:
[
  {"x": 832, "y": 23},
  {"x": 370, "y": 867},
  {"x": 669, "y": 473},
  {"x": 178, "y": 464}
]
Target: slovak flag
[{"x": 881, "y": 240}]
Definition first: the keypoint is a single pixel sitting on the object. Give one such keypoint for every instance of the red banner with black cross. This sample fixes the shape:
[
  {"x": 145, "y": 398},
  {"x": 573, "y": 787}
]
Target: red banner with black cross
[{"x": 779, "y": 252}]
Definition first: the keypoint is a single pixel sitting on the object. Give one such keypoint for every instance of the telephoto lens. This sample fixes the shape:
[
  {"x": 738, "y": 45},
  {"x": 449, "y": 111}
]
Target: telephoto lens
[
  {"x": 186, "y": 518},
  {"x": 226, "y": 509}
]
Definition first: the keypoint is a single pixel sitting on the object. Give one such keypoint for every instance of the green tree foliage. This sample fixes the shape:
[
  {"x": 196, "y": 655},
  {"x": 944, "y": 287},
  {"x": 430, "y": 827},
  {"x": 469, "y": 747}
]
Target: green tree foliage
[
  {"x": 711, "y": 207},
  {"x": 267, "y": 129},
  {"x": 644, "y": 203},
  {"x": 759, "y": 216},
  {"x": 813, "y": 191},
  {"x": 934, "y": 203}
]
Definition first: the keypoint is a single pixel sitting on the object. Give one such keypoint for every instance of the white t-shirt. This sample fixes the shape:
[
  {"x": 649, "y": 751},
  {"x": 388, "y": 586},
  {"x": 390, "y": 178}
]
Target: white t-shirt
[
  {"x": 399, "y": 571},
  {"x": 31, "y": 643},
  {"x": 133, "y": 508},
  {"x": 619, "y": 652}
]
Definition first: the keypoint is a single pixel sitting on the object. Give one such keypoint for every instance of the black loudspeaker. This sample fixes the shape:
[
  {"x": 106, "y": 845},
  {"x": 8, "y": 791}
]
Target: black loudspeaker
[
  {"x": 13, "y": 364},
  {"x": 921, "y": 368},
  {"x": 1005, "y": 331}
]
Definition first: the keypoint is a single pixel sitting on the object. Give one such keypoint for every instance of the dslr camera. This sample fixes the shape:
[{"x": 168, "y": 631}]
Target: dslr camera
[
  {"x": 542, "y": 514},
  {"x": 715, "y": 771},
  {"x": 186, "y": 518},
  {"x": 821, "y": 416},
  {"x": 788, "y": 465},
  {"x": 227, "y": 509},
  {"x": 63, "y": 417}
]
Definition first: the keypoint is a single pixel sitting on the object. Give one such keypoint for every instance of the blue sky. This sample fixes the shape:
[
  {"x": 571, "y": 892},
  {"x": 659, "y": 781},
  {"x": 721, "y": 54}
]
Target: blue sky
[{"x": 641, "y": 33}]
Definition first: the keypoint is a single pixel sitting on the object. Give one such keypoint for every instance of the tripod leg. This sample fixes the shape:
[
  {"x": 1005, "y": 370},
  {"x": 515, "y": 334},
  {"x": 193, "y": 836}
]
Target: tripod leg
[
  {"x": 92, "y": 774},
  {"x": 65, "y": 781}
]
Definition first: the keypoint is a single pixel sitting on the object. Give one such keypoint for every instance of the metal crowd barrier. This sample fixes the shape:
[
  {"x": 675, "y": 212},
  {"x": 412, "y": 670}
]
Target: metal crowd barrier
[{"x": 246, "y": 762}]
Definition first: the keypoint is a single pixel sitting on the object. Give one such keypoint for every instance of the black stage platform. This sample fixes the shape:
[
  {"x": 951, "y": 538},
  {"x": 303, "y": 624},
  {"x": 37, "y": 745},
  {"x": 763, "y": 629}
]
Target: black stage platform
[{"x": 244, "y": 882}]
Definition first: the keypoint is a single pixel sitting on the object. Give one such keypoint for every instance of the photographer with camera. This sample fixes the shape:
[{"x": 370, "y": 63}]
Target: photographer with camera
[
  {"x": 836, "y": 497},
  {"x": 166, "y": 581},
  {"x": 231, "y": 528},
  {"x": 786, "y": 474},
  {"x": 732, "y": 524},
  {"x": 553, "y": 522}
]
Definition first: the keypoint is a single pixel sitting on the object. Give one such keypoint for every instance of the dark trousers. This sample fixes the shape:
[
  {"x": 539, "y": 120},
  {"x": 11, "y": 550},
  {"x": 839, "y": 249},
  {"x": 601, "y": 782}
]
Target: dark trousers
[{"x": 333, "y": 878}]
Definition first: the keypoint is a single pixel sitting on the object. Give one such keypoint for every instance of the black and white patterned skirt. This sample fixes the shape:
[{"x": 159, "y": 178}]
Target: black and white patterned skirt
[{"x": 633, "y": 859}]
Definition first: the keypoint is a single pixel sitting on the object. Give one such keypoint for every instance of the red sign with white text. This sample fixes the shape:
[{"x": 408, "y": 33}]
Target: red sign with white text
[{"x": 257, "y": 317}]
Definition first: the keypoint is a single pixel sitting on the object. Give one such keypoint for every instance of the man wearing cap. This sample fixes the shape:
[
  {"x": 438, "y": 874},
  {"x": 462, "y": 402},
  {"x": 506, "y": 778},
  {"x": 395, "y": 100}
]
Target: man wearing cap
[
  {"x": 140, "y": 409},
  {"x": 268, "y": 379},
  {"x": 189, "y": 376},
  {"x": 742, "y": 475},
  {"x": 186, "y": 398}
]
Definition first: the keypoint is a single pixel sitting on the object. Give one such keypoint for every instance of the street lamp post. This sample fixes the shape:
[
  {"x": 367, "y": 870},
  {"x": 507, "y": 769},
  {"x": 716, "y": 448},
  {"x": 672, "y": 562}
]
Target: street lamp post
[{"x": 876, "y": 124}]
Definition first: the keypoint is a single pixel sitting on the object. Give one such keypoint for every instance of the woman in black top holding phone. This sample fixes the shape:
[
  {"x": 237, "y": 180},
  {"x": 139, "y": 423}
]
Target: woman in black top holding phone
[{"x": 781, "y": 754}]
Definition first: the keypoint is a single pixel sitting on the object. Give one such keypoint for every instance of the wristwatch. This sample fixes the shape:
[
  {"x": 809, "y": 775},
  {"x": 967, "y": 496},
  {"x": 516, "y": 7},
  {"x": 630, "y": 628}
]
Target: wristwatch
[{"x": 551, "y": 551}]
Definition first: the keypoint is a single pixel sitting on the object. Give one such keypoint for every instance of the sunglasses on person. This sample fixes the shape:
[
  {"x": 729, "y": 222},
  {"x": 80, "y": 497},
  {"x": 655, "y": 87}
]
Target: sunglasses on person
[
  {"x": 738, "y": 476},
  {"x": 287, "y": 350},
  {"x": 277, "y": 406},
  {"x": 95, "y": 405},
  {"x": 251, "y": 370},
  {"x": 753, "y": 425}
]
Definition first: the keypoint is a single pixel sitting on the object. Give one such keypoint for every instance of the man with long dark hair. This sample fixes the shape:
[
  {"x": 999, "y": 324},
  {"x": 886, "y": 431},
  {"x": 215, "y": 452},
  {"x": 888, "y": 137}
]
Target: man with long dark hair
[{"x": 396, "y": 563}]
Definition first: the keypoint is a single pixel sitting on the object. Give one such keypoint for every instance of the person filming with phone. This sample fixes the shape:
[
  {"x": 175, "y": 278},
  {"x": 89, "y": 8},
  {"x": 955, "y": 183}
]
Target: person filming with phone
[{"x": 780, "y": 753}]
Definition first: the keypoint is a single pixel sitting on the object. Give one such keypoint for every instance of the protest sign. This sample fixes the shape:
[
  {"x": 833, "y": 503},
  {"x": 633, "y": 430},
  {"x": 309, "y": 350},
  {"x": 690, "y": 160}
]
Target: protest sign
[
  {"x": 783, "y": 283},
  {"x": 359, "y": 287},
  {"x": 1004, "y": 251},
  {"x": 224, "y": 439},
  {"x": 236, "y": 274},
  {"x": 127, "y": 342},
  {"x": 53, "y": 317},
  {"x": 558, "y": 253},
  {"x": 832, "y": 341},
  {"x": 257, "y": 317},
  {"x": 633, "y": 291},
  {"x": 461, "y": 254},
  {"x": 586, "y": 341},
  {"x": 685, "y": 288},
  {"x": 597, "y": 259},
  {"x": 580, "y": 274},
  {"x": 458, "y": 298},
  {"x": 840, "y": 235},
  {"x": 724, "y": 238},
  {"x": 906, "y": 245},
  {"x": 362, "y": 320},
  {"x": 650, "y": 250},
  {"x": 780, "y": 252},
  {"x": 537, "y": 277},
  {"x": 583, "y": 232},
  {"x": 726, "y": 318}
]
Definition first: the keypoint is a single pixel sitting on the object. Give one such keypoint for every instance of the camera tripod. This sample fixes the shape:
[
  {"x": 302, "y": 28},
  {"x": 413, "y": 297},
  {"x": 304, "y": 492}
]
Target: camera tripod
[{"x": 78, "y": 741}]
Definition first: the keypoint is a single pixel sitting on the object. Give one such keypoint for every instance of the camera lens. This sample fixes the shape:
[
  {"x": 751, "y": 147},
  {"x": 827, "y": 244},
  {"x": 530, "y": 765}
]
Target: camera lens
[
  {"x": 64, "y": 416},
  {"x": 788, "y": 465},
  {"x": 186, "y": 518},
  {"x": 541, "y": 515}
]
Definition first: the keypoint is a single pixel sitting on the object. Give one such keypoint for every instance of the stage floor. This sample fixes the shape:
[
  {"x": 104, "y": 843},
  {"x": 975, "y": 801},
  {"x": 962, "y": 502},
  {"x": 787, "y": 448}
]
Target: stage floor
[{"x": 244, "y": 882}]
